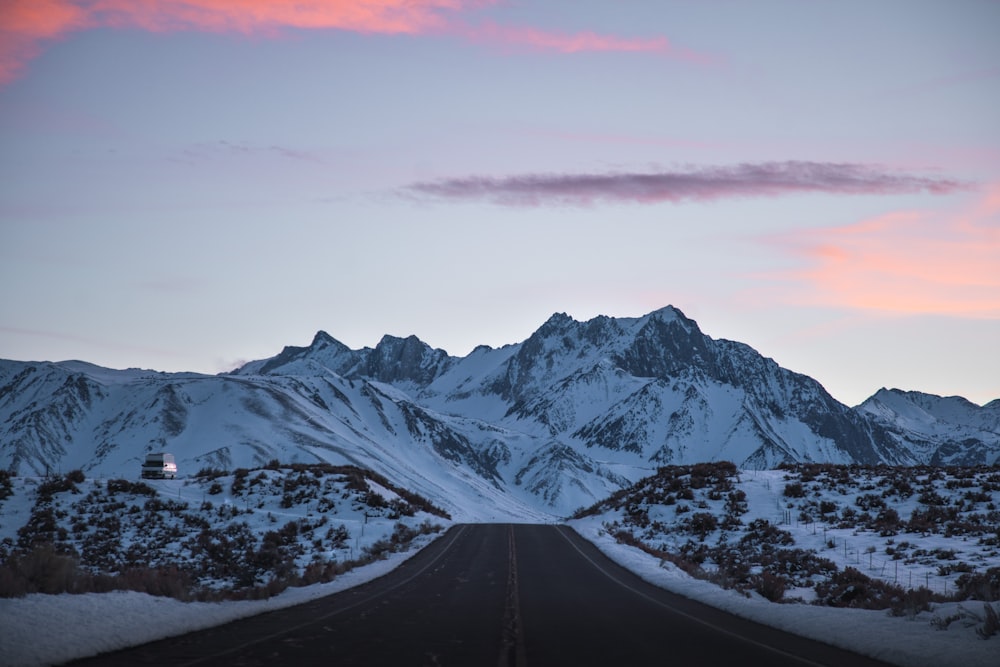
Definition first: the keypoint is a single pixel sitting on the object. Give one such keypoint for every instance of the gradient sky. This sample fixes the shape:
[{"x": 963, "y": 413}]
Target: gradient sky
[{"x": 188, "y": 184}]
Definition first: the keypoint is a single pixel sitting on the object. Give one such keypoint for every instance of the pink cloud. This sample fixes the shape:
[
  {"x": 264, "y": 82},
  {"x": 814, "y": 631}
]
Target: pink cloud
[
  {"x": 250, "y": 16},
  {"x": 907, "y": 262},
  {"x": 541, "y": 40},
  {"x": 767, "y": 179},
  {"x": 26, "y": 25}
]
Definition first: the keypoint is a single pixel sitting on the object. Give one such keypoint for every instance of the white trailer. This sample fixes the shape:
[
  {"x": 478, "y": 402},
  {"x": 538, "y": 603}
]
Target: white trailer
[{"x": 159, "y": 466}]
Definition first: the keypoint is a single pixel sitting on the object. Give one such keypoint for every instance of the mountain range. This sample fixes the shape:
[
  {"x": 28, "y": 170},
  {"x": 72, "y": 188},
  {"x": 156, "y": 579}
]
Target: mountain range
[{"x": 528, "y": 431}]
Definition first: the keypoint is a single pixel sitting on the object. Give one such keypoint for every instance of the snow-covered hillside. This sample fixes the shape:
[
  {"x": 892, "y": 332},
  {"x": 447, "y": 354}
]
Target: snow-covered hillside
[
  {"x": 784, "y": 532},
  {"x": 528, "y": 431},
  {"x": 938, "y": 430},
  {"x": 915, "y": 543},
  {"x": 249, "y": 533},
  {"x": 67, "y": 416}
]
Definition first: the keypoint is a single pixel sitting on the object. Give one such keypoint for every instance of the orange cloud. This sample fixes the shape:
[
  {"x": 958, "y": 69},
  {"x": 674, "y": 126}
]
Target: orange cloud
[
  {"x": 25, "y": 25},
  {"x": 907, "y": 262},
  {"x": 372, "y": 16}
]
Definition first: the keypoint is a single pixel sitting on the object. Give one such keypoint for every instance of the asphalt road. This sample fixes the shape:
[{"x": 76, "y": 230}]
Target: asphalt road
[{"x": 494, "y": 595}]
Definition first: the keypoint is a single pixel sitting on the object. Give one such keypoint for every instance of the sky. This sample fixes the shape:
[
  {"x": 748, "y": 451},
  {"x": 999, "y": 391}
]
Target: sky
[{"x": 186, "y": 185}]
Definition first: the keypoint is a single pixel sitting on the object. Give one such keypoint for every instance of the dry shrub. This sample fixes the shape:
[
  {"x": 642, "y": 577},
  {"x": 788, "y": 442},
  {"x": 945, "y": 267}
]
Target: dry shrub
[
  {"x": 769, "y": 585},
  {"x": 167, "y": 581},
  {"x": 125, "y": 486},
  {"x": 852, "y": 588},
  {"x": 6, "y": 486},
  {"x": 979, "y": 585},
  {"x": 991, "y": 622},
  {"x": 42, "y": 570},
  {"x": 794, "y": 490}
]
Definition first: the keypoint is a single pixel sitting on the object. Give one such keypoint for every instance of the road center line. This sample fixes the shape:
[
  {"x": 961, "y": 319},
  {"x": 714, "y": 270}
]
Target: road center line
[{"x": 512, "y": 653}]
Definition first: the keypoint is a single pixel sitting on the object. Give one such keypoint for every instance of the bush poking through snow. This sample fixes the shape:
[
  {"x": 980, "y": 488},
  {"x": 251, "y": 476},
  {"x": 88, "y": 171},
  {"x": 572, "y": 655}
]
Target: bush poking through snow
[
  {"x": 6, "y": 486},
  {"x": 709, "y": 537},
  {"x": 794, "y": 490},
  {"x": 979, "y": 585},
  {"x": 770, "y": 586},
  {"x": 127, "y": 536},
  {"x": 991, "y": 622},
  {"x": 987, "y": 625}
]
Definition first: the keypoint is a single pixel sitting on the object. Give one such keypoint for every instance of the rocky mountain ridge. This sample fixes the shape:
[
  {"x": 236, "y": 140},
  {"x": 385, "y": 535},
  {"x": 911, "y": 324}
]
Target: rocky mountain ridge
[{"x": 541, "y": 427}]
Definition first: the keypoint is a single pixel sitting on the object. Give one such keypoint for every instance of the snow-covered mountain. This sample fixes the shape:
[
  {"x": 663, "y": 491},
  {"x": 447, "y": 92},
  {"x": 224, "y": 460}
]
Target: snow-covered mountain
[
  {"x": 938, "y": 430},
  {"x": 566, "y": 417}
]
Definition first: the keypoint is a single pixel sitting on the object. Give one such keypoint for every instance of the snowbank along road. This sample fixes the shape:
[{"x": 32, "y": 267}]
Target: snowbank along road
[{"x": 495, "y": 594}]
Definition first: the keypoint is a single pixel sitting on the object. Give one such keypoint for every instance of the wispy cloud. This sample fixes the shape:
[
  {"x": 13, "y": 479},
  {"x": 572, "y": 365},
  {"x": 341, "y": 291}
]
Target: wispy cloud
[
  {"x": 910, "y": 262},
  {"x": 766, "y": 179},
  {"x": 26, "y": 25},
  {"x": 222, "y": 149},
  {"x": 527, "y": 37}
]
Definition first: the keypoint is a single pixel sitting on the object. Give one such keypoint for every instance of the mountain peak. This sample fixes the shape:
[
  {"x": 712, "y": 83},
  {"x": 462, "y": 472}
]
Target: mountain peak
[
  {"x": 556, "y": 322},
  {"x": 667, "y": 312},
  {"x": 324, "y": 340},
  {"x": 322, "y": 337},
  {"x": 405, "y": 359},
  {"x": 390, "y": 340},
  {"x": 672, "y": 315}
]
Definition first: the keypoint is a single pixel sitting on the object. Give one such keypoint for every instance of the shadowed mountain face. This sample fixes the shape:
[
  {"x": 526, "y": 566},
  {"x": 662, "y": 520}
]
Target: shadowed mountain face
[{"x": 571, "y": 414}]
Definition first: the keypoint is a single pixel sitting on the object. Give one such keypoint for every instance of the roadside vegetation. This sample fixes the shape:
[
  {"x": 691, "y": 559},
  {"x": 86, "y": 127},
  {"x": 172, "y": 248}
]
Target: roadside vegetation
[
  {"x": 866, "y": 537},
  {"x": 245, "y": 534}
]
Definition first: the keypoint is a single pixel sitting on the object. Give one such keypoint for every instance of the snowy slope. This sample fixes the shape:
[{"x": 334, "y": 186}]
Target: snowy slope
[
  {"x": 939, "y": 430},
  {"x": 530, "y": 430},
  {"x": 58, "y": 419}
]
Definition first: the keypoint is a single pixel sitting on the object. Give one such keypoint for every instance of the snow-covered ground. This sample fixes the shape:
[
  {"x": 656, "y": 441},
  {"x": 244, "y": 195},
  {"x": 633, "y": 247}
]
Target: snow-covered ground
[
  {"x": 227, "y": 530},
  {"x": 905, "y": 529},
  {"x": 234, "y": 534},
  {"x": 954, "y": 543},
  {"x": 99, "y": 622},
  {"x": 96, "y": 623},
  {"x": 908, "y": 642}
]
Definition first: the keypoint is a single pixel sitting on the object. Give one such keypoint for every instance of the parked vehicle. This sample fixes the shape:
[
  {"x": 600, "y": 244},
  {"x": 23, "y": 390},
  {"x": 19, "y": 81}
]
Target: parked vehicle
[{"x": 159, "y": 466}]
